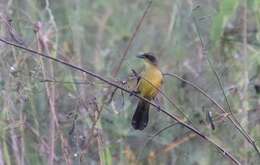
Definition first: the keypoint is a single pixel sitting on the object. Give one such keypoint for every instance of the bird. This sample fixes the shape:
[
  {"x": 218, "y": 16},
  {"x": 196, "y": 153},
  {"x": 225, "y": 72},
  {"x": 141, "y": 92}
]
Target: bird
[{"x": 148, "y": 86}]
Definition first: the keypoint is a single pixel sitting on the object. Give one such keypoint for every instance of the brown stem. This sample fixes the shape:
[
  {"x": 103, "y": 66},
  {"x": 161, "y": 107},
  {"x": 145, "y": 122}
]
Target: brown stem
[
  {"x": 50, "y": 90},
  {"x": 115, "y": 72}
]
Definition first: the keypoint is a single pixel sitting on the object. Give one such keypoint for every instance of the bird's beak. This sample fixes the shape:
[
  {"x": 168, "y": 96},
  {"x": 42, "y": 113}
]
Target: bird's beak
[{"x": 141, "y": 55}]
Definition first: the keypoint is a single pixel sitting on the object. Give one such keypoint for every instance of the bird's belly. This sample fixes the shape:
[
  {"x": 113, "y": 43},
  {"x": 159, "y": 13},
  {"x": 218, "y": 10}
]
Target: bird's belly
[
  {"x": 148, "y": 90},
  {"x": 149, "y": 85}
]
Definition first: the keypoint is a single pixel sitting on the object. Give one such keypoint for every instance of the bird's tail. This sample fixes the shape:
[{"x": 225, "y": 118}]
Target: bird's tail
[{"x": 141, "y": 115}]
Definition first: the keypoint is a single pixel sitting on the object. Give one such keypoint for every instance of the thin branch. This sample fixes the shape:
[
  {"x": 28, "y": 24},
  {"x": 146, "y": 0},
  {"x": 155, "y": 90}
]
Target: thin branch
[
  {"x": 115, "y": 72},
  {"x": 156, "y": 134},
  {"x": 230, "y": 117},
  {"x": 66, "y": 82},
  {"x": 176, "y": 143},
  {"x": 203, "y": 92},
  {"x": 50, "y": 90},
  {"x": 180, "y": 121}
]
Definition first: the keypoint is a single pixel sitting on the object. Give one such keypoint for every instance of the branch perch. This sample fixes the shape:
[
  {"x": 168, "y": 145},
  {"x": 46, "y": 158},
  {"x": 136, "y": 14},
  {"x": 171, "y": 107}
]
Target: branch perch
[{"x": 180, "y": 121}]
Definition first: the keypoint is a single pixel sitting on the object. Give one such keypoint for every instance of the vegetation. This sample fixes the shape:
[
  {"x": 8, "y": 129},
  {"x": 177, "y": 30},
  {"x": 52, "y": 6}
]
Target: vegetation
[{"x": 51, "y": 114}]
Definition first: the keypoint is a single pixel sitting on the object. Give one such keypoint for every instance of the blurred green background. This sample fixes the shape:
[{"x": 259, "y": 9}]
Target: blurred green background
[{"x": 51, "y": 114}]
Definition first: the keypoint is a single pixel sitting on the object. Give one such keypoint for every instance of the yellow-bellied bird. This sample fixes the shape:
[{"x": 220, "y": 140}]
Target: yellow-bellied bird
[{"x": 150, "y": 81}]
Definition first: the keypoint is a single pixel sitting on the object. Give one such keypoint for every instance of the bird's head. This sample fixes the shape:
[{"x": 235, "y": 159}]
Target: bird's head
[{"x": 148, "y": 57}]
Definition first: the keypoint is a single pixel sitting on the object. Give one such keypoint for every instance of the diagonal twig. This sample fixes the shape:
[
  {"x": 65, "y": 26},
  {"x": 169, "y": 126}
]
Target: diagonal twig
[
  {"x": 154, "y": 135},
  {"x": 230, "y": 117},
  {"x": 115, "y": 72}
]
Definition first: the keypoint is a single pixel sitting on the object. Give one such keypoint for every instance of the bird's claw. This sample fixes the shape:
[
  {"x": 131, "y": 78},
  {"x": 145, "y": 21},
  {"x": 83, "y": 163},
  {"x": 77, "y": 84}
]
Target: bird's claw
[{"x": 133, "y": 93}]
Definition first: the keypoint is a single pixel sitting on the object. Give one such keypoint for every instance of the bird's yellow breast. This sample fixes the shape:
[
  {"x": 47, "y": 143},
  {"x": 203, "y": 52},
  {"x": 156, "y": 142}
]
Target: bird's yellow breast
[{"x": 150, "y": 82}]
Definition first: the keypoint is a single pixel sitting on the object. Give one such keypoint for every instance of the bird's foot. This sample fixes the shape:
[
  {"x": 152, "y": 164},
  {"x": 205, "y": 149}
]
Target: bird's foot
[
  {"x": 134, "y": 93},
  {"x": 136, "y": 75}
]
